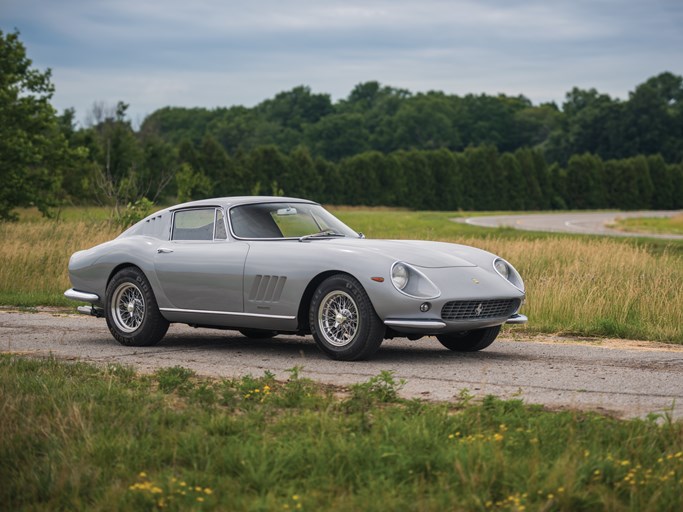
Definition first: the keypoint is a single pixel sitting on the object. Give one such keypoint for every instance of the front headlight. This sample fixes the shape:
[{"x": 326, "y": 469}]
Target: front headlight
[
  {"x": 509, "y": 273},
  {"x": 502, "y": 268},
  {"x": 412, "y": 282},
  {"x": 399, "y": 275}
]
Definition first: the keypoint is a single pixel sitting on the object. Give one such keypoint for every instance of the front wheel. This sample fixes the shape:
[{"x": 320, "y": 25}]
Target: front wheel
[
  {"x": 131, "y": 310},
  {"x": 342, "y": 320},
  {"x": 469, "y": 341}
]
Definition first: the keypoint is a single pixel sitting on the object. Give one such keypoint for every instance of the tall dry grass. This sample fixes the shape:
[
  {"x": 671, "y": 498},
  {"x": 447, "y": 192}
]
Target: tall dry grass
[
  {"x": 602, "y": 287},
  {"x": 588, "y": 286},
  {"x": 34, "y": 258}
]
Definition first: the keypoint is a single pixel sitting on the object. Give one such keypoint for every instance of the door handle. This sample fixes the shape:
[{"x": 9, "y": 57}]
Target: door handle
[{"x": 163, "y": 250}]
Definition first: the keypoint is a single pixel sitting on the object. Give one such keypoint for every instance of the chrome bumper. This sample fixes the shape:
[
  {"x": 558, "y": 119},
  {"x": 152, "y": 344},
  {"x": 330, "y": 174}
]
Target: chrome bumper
[
  {"x": 517, "y": 319},
  {"x": 415, "y": 324},
  {"x": 81, "y": 296}
]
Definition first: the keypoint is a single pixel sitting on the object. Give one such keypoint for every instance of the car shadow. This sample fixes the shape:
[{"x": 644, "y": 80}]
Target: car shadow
[{"x": 288, "y": 346}]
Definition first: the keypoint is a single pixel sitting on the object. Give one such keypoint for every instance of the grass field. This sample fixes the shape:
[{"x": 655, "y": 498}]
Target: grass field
[
  {"x": 77, "y": 437},
  {"x": 575, "y": 285},
  {"x": 669, "y": 225}
]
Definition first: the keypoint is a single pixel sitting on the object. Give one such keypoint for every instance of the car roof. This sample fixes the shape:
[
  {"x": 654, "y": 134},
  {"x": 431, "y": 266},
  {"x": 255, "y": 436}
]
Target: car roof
[{"x": 239, "y": 200}]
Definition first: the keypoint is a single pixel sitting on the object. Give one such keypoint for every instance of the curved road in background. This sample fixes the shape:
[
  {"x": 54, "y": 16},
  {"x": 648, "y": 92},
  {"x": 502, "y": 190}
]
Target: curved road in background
[{"x": 583, "y": 223}]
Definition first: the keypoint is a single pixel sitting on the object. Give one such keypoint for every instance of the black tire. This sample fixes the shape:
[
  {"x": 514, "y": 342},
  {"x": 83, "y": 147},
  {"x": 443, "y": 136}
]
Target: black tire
[
  {"x": 257, "y": 334},
  {"x": 131, "y": 310},
  {"x": 469, "y": 341},
  {"x": 342, "y": 320}
]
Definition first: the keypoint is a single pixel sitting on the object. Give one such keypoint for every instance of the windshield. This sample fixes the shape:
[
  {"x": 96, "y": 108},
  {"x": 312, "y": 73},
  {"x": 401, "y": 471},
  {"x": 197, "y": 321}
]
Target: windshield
[{"x": 286, "y": 220}]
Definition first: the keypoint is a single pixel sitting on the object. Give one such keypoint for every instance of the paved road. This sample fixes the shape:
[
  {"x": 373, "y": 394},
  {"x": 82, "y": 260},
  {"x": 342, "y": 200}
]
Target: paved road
[
  {"x": 628, "y": 382},
  {"x": 584, "y": 223}
]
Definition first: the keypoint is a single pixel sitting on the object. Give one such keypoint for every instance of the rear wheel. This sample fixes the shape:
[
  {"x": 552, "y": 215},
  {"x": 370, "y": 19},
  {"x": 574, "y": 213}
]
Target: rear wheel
[
  {"x": 343, "y": 322},
  {"x": 469, "y": 341},
  {"x": 131, "y": 310}
]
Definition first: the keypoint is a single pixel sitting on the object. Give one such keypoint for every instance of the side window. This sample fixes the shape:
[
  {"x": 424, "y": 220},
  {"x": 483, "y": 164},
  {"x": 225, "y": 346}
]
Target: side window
[
  {"x": 193, "y": 224},
  {"x": 221, "y": 233}
]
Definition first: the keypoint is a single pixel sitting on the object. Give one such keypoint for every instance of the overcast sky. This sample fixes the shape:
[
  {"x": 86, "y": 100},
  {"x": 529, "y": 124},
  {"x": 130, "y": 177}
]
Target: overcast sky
[{"x": 209, "y": 53}]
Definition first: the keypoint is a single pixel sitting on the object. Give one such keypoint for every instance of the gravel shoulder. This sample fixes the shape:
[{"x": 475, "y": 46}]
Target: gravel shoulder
[{"x": 623, "y": 378}]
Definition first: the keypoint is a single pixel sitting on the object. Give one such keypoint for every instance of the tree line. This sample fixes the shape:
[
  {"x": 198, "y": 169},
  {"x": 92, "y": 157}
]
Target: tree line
[
  {"x": 478, "y": 178},
  {"x": 378, "y": 146},
  {"x": 386, "y": 119}
]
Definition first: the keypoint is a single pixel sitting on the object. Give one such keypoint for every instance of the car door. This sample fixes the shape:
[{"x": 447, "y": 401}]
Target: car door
[{"x": 199, "y": 268}]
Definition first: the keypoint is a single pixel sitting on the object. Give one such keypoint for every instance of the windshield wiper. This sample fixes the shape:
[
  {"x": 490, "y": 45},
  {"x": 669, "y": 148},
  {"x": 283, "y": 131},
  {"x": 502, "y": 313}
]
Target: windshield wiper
[{"x": 322, "y": 234}]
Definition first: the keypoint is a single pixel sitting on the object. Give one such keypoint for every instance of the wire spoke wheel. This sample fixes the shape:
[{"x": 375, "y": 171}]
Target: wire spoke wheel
[
  {"x": 132, "y": 312},
  {"x": 128, "y": 307},
  {"x": 338, "y": 318},
  {"x": 342, "y": 320}
]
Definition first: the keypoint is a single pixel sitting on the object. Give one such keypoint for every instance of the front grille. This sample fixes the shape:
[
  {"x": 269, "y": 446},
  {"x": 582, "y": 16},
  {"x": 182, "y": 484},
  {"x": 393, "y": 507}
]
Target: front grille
[{"x": 479, "y": 309}]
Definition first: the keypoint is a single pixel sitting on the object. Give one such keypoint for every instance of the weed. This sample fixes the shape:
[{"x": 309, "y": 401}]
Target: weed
[
  {"x": 172, "y": 378},
  {"x": 75, "y": 436}
]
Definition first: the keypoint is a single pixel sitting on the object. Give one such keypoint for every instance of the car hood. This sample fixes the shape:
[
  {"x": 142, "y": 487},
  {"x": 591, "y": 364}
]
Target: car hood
[{"x": 416, "y": 252}]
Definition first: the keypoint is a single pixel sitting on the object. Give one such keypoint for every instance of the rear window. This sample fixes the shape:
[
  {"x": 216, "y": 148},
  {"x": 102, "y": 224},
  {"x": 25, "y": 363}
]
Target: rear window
[{"x": 194, "y": 224}]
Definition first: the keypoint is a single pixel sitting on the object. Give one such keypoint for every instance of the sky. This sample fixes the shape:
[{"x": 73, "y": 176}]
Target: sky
[{"x": 210, "y": 53}]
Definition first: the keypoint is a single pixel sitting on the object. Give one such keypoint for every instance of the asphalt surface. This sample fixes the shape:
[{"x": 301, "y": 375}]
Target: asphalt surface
[
  {"x": 583, "y": 223},
  {"x": 591, "y": 375}
]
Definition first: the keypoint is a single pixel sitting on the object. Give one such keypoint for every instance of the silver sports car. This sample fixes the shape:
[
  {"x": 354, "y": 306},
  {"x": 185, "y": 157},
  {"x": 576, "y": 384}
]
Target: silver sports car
[{"x": 271, "y": 265}]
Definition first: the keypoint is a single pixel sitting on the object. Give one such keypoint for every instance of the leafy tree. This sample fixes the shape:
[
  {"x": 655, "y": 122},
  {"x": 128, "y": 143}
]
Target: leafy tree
[
  {"x": 176, "y": 124},
  {"x": 424, "y": 122},
  {"x": 516, "y": 193},
  {"x": 33, "y": 148},
  {"x": 419, "y": 179},
  {"x": 591, "y": 124},
  {"x": 677, "y": 180},
  {"x": 331, "y": 190},
  {"x": 533, "y": 125},
  {"x": 585, "y": 183},
  {"x": 296, "y": 108},
  {"x": 662, "y": 183},
  {"x": 653, "y": 118},
  {"x": 358, "y": 180},
  {"x": 265, "y": 169},
  {"x": 482, "y": 178},
  {"x": 338, "y": 135},
  {"x": 243, "y": 128},
  {"x": 225, "y": 175},
  {"x": 628, "y": 183},
  {"x": 301, "y": 178},
  {"x": 192, "y": 184},
  {"x": 158, "y": 166},
  {"x": 447, "y": 170}
]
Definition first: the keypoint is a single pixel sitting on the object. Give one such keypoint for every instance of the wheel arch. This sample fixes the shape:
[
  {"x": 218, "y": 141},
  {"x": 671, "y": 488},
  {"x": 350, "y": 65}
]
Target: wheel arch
[
  {"x": 307, "y": 297},
  {"x": 120, "y": 267}
]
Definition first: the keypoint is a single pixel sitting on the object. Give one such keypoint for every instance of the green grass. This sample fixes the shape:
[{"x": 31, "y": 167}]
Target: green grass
[
  {"x": 434, "y": 225},
  {"x": 658, "y": 225},
  {"x": 78, "y": 437}
]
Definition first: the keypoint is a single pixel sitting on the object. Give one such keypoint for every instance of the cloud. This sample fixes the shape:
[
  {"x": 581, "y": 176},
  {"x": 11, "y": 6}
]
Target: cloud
[{"x": 209, "y": 53}]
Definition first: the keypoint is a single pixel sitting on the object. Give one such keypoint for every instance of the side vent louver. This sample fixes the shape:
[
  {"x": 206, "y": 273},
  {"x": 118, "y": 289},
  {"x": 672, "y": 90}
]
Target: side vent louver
[{"x": 267, "y": 288}]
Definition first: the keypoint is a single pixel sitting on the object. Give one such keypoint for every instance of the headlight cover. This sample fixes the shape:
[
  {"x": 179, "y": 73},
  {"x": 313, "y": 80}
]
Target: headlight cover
[
  {"x": 399, "y": 275},
  {"x": 502, "y": 268},
  {"x": 508, "y": 272},
  {"x": 413, "y": 283}
]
